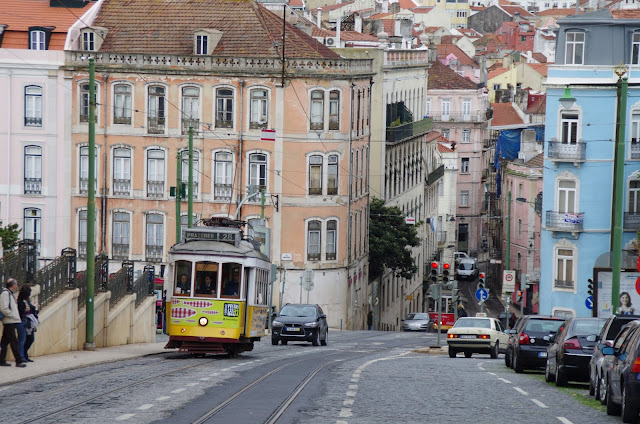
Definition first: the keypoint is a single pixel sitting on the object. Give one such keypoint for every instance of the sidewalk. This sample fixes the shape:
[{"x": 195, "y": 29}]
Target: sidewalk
[{"x": 50, "y": 364}]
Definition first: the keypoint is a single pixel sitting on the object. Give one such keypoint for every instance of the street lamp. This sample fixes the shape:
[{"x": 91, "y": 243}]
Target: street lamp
[{"x": 567, "y": 100}]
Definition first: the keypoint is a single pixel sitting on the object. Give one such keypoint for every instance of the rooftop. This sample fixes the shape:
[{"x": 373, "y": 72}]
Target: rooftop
[
  {"x": 505, "y": 114},
  {"x": 441, "y": 77}
]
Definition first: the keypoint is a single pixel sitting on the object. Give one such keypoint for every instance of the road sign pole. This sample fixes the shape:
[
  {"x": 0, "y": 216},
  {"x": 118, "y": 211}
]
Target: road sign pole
[{"x": 439, "y": 315}]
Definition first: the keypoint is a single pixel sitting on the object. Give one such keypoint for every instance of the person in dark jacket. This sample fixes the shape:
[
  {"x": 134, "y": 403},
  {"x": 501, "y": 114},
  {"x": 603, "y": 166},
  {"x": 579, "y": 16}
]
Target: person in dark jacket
[
  {"x": 26, "y": 331},
  {"x": 10, "y": 323},
  {"x": 461, "y": 311}
]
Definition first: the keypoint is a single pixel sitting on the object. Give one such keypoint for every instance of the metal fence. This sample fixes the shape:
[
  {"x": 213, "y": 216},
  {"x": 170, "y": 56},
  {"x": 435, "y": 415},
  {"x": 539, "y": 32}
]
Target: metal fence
[
  {"x": 100, "y": 279},
  {"x": 143, "y": 286},
  {"x": 120, "y": 283},
  {"x": 19, "y": 263},
  {"x": 56, "y": 277}
]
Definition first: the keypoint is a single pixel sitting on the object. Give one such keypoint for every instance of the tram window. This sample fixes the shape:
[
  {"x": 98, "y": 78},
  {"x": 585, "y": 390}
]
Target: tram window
[
  {"x": 206, "y": 279},
  {"x": 231, "y": 280},
  {"x": 183, "y": 278},
  {"x": 262, "y": 278}
]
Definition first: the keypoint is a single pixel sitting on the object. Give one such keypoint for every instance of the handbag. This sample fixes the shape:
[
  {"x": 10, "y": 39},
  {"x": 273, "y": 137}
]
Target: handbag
[{"x": 32, "y": 322}]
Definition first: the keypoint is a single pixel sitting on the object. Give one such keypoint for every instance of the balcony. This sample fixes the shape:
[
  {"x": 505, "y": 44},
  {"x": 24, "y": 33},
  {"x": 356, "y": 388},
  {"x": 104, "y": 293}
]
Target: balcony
[
  {"x": 32, "y": 121},
  {"x": 442, "y": 237},
  {"x": 563, "y": 284},
  {"x": 193, "y": 123},
  {"x": 155, "y": 125},
  {"x": 33, "y": 186},
  {"x": 477, "y": 116},
  {"x": 412, "y": 129},
  {"x": 406, "y": 57},
  {"x": 82, "y": 249},
  {"x": 222, "y": 191},
  {"x": 121, "y": 187},
  {"x": 155, "y": 189},
  {"x": 570, "y": 222},
  {"x": 123, "y": 120},
  {"x": 565, "y": 152},
  {"x": 253, "y": 188},
  {"x": 84, "y": 185},
  {"x": 635, "y": 151},
  {"x": 631, "y": 221},
  {"x": 153, "y": 253},
  {"x": 120, "y": 251}
]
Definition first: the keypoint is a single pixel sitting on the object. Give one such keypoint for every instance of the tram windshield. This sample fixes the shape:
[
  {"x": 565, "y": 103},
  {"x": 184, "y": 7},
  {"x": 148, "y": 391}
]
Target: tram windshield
[
  {"x": 182, "y": 284},
  {"x": 206, "y": 279},
  {"x": 231, "y": 280}
]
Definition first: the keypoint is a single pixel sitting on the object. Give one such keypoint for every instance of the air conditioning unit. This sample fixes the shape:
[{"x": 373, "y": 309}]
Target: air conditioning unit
[{"x": 330, "y": 41}]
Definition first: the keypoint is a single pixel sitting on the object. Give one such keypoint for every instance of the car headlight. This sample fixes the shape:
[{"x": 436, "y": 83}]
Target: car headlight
[
  {"x": 311, "y": 324},
  {"x": 276, "y": 323}
]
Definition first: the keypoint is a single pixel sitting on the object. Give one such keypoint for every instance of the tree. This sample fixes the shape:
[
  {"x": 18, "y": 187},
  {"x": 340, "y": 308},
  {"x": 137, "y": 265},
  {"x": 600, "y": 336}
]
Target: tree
[
  {"x": 9, "y": 235},
  {"x": 390, "y": 241}
]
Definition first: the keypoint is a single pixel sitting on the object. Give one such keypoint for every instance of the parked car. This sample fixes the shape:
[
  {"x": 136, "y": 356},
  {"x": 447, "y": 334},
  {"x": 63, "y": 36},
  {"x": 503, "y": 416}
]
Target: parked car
[
  {"x": 570, "y": 350},
  {"x": 299, "y": 323},
  {"x": 622, "y": 370},
  {"x": 609, "y": 331},
  {"x": 529, "y": 348},
  {"x": 419, "y": 321},
  {"x": 467, "y": 269},
  {"x": 512, "y": 336},
  {"x": 460, "y": 255},
  {"x": 476, "y": 335}
]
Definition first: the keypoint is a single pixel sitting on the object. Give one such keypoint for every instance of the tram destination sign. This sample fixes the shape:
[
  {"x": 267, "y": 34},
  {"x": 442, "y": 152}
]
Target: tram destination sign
[{"x": 225, "y": 235}]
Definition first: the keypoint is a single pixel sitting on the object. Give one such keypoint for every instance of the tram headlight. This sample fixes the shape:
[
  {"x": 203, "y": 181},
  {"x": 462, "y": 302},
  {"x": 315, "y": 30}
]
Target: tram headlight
[
  {"x": 203, "y": 321},
  {"x": 276, "y": 323},
  {"x": 311, "y": 324}
]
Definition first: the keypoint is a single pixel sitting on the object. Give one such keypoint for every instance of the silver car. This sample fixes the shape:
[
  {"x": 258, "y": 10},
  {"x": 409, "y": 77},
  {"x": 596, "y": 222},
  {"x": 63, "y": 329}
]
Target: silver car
[{"x": 418, "y": 321}]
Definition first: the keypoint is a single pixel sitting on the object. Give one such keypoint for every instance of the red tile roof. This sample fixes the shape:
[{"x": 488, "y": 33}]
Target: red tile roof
[
  {"x": 556, "y": 12},
  {"x": 539, "y": 106},
  {"x": 333, "y": 6},
  {"x": 22, "y": 14},
  {"x": 445, "y": 50},
  {"x": 389, "y": 26},
  {"x": 499, "y": 70},
  {"x": 167, "y": 26},
  {"x": 511, "y": 10},
  {"x": 296, "y": 3},
  {"x": 344, "y": 35},
  {"x": 540, "y": 68},
  {"x": 381, "y": 15},
  {"x": 407, "y": 4},
  {"x": 505, "y": 114},
  {"x": 441, "y": 77},
  {"x": 422, "y": 9},
  {"x": 539, "y": 57},
  {"x": 444, "y": 145},
  {"x": 625, "y": 14}
]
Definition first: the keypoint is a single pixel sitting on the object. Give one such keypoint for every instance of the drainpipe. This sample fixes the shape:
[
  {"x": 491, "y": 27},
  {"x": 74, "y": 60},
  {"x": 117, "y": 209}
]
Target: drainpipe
[
  {"x": 240, "y": 142},
  {"x": 103, "y": 212},
  {"x": 9, "y": 149},
  {"x": 349, "y": 229}
]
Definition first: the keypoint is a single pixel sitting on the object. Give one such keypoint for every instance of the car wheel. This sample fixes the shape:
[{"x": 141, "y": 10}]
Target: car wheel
[
  {"x": 561, "y": 376},
  {"x": 517, "y": 367},
  {"x": 507, "y": 358},
  {"x": 548, "y": 377},
  {"x": 629, "y": 411},
  {"x": 468, "y": 354},
  {"x": 284, "y": 342},
  {"x": 496, "y": 349},
  {"x": 274, "y": 341},
  {"x": 316, "y": 339},
  {"x": 324, "y": 341},
  {"x": 604, "y": 390},
  {"x": 612, "y": 408},
  {"x": 452, "y": 353},
  {"x": 596, "y": 390}
]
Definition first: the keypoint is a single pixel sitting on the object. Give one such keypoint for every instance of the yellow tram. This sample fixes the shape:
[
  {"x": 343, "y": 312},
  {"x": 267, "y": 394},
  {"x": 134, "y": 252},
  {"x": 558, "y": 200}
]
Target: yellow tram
[{"x": 216, "y": 290}]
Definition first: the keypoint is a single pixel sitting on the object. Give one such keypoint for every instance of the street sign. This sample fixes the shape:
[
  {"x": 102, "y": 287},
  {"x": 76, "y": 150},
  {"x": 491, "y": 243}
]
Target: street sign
[
  {"x": 589, "y": 302},
  {"x": 268, "y": 135},
  {"x": 482, "y": 295},
  {"x": 410, "y": 220},
  {"x": 508, "y": 281}
]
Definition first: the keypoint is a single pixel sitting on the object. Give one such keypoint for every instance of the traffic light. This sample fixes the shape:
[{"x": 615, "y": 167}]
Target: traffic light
[
  {"x": 590, "y": 287},
  {"x": 520, "y": 292},
  {"x": 445, "y": 273},
  {"x": 434, "y": 272},
  {"x": 481, "y": 280}
]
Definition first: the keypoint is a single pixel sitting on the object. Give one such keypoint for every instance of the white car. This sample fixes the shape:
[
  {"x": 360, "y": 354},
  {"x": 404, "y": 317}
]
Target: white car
[{"x": 477, "y": 335}]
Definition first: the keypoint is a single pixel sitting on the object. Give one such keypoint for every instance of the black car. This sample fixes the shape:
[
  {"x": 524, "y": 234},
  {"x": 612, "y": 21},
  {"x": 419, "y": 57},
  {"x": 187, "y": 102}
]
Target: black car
[
  {"x": 570, "y": 350},
  {"x": 622, "y": 368},
  {"x": 610, "y": 330},
  {"x": 529, "y": 348},
  {"x": 300, "y": 323}
]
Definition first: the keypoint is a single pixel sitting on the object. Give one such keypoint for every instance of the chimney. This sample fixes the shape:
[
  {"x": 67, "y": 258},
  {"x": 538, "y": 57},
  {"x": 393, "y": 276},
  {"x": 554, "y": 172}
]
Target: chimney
[
  {"x": 319, "y": 19},
  {"x": 358, "y": 23},
  {"x": 385, "y": 6},
  {"x": 506, "y": 61}
]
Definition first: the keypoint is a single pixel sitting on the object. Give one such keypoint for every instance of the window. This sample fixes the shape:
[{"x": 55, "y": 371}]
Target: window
[
  {"x": 464, "y": 198},
  {"x": 224, "y": 108},
  {"x": 121, "y": 172},
  {"x": 519, "y": 228},
  {"x": 634, "y": 196},
  {"x": 313, "y": 241},
  {"x": 201, "y": 44},
  {"x": 190, "y": 109},
  {"x": 156, "y": 110},
  {"x": 155, "y": 173},
  {"x": 334, "y": 110},
  {"x": 574, "y": 54},
  {"x": 184, "y": 171},
  {"x": 120, "y": 241},
  {"x": 33, "y": 106},
  {"x": 496, "y": 87},
  {"x": 153, "y": 248},
  {"x": 332, "y": 233},
  {"x": 564, "y": 269},
  {"x": 32, "y": 225},
  {"x": 332, "y": 175},
  {"x": 635, "y": 48},
  {"x": 446, "y": 109},
  {"x": 84, "y": 170},
  {"x": 84, "y": 102},
  {"x": 428, "y": 108},
  {"x": 466, "y": 135},
  {"x": 317, "y": 110},
  {"x": 569, "y": 122},
  {"x": 520, "y": 190},
  {"x": 445, "y": 132},
  {"x": 122, "y": 104},
  {"x": 32, "y": 170},
  {"x": 464, "y": 166},
  {"x": 82, "y": 234},
  {"x": 315, "y": 174},
  {"x": 258, "y": 171},
  {"x": 567, "y": 196},
  {"x": 37, "y": 40},
  {"x": 635, "y": 127},
  {"x": 223, "y": 178},
  {"x": 88, "y": 41},
  {"x": 258, "y": 109},
  {"x": 461, "y": 14},
  {"x": 466, "y": 109}
]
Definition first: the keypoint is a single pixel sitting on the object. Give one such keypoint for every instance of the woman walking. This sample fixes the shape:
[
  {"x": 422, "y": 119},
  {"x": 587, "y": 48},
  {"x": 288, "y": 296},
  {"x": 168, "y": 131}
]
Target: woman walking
[{"x": 29, "y": 317}]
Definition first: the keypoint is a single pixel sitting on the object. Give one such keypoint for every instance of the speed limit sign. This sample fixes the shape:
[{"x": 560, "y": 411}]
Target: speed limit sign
[{"x": 508, "y": 281}]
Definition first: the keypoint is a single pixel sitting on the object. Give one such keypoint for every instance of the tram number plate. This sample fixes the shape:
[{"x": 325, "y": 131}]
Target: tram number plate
[{"x": 231, "y": 310}]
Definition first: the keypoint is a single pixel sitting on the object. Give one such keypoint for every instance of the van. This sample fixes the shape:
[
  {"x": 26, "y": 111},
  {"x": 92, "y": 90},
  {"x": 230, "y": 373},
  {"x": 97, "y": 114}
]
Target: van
[{"x": 467, "y": 269}]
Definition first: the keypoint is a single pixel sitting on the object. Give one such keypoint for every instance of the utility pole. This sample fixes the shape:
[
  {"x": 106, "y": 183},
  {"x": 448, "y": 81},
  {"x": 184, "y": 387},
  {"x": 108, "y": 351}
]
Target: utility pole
[
  {"x": 91, "y": 209},
  {"x": 190, "y": 202},
  {"x": 507, "y": 261},
  {"x": 178, "y": 196}
]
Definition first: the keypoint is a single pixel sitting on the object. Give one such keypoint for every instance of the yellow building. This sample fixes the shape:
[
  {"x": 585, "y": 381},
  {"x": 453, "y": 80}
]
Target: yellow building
[{"x": 516, "y": 76}]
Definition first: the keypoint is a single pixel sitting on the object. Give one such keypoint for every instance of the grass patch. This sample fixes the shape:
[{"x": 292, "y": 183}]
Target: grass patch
[{"x": 579, "y": 391}]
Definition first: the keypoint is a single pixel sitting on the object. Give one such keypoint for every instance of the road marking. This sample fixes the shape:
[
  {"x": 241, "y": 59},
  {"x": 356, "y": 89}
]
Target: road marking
[
  {"x": 192, "y": 384},
  {"x": 178, "y": 390},
  {"x": 504, "y": 380},
  {"x": 563, "y": 420},
  {"x": 521, "y": 391},
  {"x": 348, "y": 402},
  {"x": 342, "y": 422},
  {"x": 355, "y": 380},
  {"x": 146, "y": 406},
  {"x": 482, "y": 369},
  {"x": 161, "y": 398},
  {"x": 540, "y": 404},
  {"x": 124, "y": 417},
  {"x": 345, "y": 412},
  {"x": 351, "y": 393},
  {"x": 205, "y": 378},
  {"x": 491, "y": 373},
  {"x": 353, "y": 387}
]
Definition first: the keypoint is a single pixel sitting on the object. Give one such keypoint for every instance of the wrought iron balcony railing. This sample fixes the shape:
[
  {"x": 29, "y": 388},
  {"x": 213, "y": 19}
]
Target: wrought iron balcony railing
[
  {"x": 222, "y": 191},
  {"x": 567, "y": 152},
  {"x": 121, "y": 187},
  {"x": 33, "y": 186},
  {"x": 193, "y": 123},
  {"x": 635, "y": 151},
  {"x": 477, "y": 116},
  {"x": 155, "y": 189},
  {"x": 155, "y": 125},
  {"x": 631, "y": 221},
  {"x": 32, "y": 121},
  {"x": 153, "y": 253},
  {"x": 409, "y": 130},
  {"x": 120, "y": 251},
  {"x": 565, "y": 221},
  {"x": 563, "y": 284}
]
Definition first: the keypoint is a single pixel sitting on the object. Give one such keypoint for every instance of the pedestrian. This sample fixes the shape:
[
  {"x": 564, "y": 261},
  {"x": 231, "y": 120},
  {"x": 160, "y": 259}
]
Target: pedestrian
[
  {"x": 29, "y": 317},
  {"x": 370, "y": 320},
  {"x": 461, "y": 311},
  {"x": 9, "y": 308},
  {"x": 512, "y": 320}
]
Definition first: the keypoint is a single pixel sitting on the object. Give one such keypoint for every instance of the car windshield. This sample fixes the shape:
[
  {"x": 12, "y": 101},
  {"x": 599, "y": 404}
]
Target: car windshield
[
  {"x": 465, "y": 266},
  {"x": 586, "y": 327},
  {"x": 298, "y": 311},
  {"x": 473, "y": 322},
  {"x": 418, "y": 316},
  {"x": 543, "y": 325}
]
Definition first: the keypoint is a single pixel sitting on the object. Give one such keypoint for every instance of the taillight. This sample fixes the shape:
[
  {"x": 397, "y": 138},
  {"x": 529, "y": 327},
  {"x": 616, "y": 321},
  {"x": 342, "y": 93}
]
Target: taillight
[
  {"x": 571, "y": 344},
  {"x": 483, "y": 336},
  {"x": 452, "y": 336},
  {"x": 636, "y": 365},
  {"x": 524, "y": 339}
]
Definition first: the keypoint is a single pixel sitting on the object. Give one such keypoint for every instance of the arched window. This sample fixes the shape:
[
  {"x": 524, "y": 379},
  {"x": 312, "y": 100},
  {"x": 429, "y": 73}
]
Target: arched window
[
  {"x": 122, "y": 171},
  {"x": 156, "y": 112},
  {"x": 223, "y": 179},
  {"x": 190, "y": 109},
  {"x": 317, "y": 110},
  {"x": 32, "y": 170},
  {"x": 32, "y": 106},
  {"x": 313, "y": 240},
  {"x": 155, "y": 236},
  {"x": 122, "y": 104},
  {"x": 32, "y": 225}
]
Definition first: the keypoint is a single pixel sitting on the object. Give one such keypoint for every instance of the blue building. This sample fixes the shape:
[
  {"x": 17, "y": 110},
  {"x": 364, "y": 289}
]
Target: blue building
[{"x": 579, "y": 158}]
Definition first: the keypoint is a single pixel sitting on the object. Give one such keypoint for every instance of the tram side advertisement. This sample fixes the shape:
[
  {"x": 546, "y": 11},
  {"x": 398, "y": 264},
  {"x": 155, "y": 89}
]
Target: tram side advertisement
[{"x": 219, "y": 313}]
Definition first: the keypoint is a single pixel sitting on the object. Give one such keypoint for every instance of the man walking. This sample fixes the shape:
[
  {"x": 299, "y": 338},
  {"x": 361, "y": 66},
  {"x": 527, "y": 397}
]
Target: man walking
[{"x": 10, "y": 322}]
